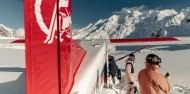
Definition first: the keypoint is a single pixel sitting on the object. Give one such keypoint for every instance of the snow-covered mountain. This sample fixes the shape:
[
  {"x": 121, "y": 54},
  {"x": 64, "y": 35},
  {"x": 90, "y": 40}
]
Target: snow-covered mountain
[
  {"x": 139, "y": 22},
  {"x": 10, "y": 33},
  {"x": 20, "y": 32}
]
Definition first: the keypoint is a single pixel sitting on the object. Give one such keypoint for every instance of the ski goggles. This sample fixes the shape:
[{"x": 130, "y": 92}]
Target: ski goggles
[{"x": 155, "y": 60}]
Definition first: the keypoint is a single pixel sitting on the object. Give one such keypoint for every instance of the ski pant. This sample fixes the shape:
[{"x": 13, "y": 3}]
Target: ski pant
[
  {"x": 115, "y": 79},
  {"x": 131, "y": 89}
]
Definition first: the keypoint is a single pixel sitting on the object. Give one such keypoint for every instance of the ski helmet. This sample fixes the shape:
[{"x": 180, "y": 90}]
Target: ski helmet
[
  {"x": 153, "y": 59},
  {"x": 131, "y": 55}
]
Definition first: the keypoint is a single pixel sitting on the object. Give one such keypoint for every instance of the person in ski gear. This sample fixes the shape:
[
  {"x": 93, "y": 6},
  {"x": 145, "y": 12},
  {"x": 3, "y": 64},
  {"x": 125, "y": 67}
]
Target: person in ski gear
[
  {"x": 150, "y": 80},
  {"x": 113, "y": 68},
  {"x": 129, "y": 75}
]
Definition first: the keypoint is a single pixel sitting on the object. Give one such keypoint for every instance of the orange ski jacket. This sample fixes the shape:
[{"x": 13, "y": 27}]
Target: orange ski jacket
[{"x": 152, "y": 82}]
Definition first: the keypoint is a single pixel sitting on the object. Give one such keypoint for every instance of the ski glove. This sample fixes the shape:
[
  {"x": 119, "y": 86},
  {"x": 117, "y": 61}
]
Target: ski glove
[
  {"x": 167, "y": 75},
  {"x": 131, "y": 83}
]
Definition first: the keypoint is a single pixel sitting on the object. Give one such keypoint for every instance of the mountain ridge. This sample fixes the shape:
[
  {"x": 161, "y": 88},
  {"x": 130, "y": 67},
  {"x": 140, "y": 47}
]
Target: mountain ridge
[
  {"x": 10, "y": 33},
  {"x": 138, "y": 22}
]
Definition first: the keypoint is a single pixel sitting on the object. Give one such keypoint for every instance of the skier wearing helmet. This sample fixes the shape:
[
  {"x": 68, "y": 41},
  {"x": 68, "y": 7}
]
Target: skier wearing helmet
[
  {"x": 130, "y": 75},
  {"x": 150, "y": 80}
]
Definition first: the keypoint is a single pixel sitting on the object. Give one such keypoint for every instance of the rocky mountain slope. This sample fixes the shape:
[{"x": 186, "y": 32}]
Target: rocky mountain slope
[{"x": 138, "y": 22}]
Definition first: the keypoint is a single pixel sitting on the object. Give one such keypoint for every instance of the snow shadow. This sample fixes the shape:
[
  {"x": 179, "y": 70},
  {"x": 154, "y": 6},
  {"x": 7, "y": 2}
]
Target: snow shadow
[{"x": 14, "y": 82}]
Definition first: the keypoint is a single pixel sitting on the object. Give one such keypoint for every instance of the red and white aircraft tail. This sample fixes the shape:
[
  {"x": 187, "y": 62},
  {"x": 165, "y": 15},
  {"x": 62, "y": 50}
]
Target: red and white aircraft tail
[{"x": 52, "y": 57}]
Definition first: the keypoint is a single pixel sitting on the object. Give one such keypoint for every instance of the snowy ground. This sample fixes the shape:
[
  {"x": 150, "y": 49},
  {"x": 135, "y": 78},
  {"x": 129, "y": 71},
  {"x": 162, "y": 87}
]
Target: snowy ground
[
  {"x": 12, "y": 71},
  {"x": 177, "y": 63}
]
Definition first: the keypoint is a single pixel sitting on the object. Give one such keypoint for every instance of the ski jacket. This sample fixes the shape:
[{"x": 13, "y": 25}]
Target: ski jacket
[
  {"x": 113, "y": 68},
  {"x": 130, "y": 67},
  {"x": 152, "y": 82}
]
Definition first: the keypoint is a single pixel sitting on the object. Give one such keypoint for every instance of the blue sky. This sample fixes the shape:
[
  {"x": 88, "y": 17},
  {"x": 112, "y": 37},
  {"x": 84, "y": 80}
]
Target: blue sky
[
  {"x": 90, "y": 11},
  {"x": 84, "y": 11},
  {"x": 11, "y": 13}
]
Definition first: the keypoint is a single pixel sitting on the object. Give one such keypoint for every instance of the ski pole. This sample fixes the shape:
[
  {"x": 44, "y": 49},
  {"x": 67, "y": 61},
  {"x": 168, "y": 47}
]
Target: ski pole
[{"x": 133, "y": 52}]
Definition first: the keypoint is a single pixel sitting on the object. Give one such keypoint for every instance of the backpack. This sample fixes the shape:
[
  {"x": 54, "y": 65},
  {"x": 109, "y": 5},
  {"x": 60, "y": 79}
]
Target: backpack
[{"x": 132, "y": 67}]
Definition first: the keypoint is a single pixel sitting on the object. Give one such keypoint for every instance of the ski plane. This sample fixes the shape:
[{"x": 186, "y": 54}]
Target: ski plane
[
  {"x": 91, "y": 74},
  {"x": 57, "y": 64}
]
